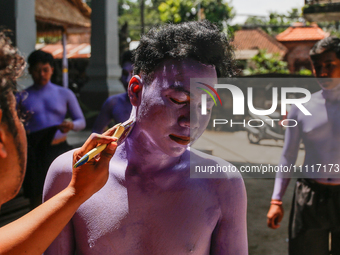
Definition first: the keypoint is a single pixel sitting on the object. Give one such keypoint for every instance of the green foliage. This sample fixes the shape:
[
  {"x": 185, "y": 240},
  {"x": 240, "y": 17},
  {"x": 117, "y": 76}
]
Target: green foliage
[
  {"x": 332, "y": 27},
  {"x": 176, "y": 11},
  {"x": 49, "y": 39},
  {"x": 129, "y": 12},
  {"x": 275, "y": 23},
  {"x": 305, "y": 72},
  {"x": 263, "y": 63}
]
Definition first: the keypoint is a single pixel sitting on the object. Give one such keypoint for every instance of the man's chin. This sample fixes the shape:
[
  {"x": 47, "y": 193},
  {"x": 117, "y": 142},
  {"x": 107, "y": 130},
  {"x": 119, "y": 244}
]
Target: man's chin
[
  {"x": 326, "y": 83},
  {"x": 327, "y": 86},
  {"x": 41, "y": 83}
]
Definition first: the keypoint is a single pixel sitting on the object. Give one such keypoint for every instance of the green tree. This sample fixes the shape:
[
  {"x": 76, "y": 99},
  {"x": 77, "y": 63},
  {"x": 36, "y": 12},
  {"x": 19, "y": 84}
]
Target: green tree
[
  {"x": 129, "y": 13},
  {"x": 264, "y": 62},
  {"x": 275, "y": 23},
  {"x": 176, "y": 11}
]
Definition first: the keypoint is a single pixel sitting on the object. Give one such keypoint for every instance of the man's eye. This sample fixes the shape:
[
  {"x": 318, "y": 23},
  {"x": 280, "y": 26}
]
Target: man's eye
[
  {"x": 208, "y": 109},
  {"x": 177, "y": 101}
]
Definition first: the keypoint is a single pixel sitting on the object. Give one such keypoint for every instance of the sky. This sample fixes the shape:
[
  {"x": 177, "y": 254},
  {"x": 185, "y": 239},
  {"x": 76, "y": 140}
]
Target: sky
[{"x": 262, "y": 7}]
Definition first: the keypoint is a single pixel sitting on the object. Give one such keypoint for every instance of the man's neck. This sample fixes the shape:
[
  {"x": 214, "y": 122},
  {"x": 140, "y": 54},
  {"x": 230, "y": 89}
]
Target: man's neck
[
  {"x": 144, "y": 157},
  {"x": 40, "y": 86}
]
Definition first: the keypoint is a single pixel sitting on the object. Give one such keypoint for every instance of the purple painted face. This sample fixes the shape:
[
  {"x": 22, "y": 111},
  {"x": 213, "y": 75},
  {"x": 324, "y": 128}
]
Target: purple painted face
[{"x": 168, "y": 103}]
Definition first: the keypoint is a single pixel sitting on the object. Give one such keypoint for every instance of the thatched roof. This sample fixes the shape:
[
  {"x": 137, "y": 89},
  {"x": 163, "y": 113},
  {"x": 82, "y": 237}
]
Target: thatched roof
[
  {"x": 53, "y": 16},
  {"x": 83, "y": 7}
]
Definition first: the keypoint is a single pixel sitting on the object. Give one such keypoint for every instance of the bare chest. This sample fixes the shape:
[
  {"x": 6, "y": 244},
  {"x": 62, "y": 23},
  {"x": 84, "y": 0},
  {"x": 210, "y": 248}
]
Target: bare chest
[{"x": 128, "y": 220}]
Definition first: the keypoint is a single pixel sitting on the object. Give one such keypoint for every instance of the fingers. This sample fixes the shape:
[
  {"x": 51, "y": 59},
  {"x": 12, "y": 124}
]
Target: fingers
[
  {"x": 106, "y": 155},
  {"x": 273, "y": 222},
  {"x": 110, "y": 131},
  {"x": 95, "y": 139},
  {"x": 274, "y": 216}
]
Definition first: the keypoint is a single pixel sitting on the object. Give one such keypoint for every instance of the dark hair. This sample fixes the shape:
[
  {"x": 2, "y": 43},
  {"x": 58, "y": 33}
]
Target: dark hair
[
  {"x": 126, "y": 57},
  {"x": 198, "y": 40},
  {"x": 40, "y": 56},
  {"x": 11, "y": 66},
  {"x": 328, "y": 44}
]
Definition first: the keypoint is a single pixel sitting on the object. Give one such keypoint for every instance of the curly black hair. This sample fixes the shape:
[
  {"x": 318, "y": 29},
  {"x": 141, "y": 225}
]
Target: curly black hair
[
  {"x": 11, "y": 67},
  {"x": 331, "y": 43},
  {"x": 198, "y": 40}
]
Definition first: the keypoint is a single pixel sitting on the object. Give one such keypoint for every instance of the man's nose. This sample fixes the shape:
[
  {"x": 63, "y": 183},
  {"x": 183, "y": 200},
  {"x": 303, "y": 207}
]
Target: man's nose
[
  {"x": 189, "y": 119},
  {"x": 323, "y": 72}
]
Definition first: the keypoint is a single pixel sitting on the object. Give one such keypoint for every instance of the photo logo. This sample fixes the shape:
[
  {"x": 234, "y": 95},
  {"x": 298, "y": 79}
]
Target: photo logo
[
  {"x": 204, "y": 97},
  {"x": 238, "y": 99}
]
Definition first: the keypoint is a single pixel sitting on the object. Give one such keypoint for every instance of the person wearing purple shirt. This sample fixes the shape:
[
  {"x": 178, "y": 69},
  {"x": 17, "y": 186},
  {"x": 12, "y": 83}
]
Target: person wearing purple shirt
[
  {"x": 47, "y": 106},
  {"x": 117, "y": 107},
  {"x": 150, "y": 205},
  {"x": 314, "y": 226}
]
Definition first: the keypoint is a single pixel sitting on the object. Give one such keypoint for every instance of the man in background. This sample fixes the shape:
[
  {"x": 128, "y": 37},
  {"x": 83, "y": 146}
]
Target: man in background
[
  {"x": 117, "y": 107},
  {"x": 47, "y": 107},
  {"x": 314, "y": 225},
  {"x": 33, "y": 233}
]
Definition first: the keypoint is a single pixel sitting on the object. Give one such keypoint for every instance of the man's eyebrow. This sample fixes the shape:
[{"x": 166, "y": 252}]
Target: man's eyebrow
[{"x": 180, "y": 89}]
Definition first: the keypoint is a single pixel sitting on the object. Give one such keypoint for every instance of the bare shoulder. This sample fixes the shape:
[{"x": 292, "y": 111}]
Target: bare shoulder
[
  {"x": 62, "y": 91},
  {"x": 59, "y": 174},
  {"x": 116, "y": 99},
  {"x": 220, "y": 174}
]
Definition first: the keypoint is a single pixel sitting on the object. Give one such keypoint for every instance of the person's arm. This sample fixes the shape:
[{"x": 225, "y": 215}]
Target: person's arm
[
  {"x": 288, "y": 158},
  {"x": 105, "y": 115},
  {"x": 230, "y": 233},
  {"x": 78, "y": 120},
  {"x": 35, "y": 231}
]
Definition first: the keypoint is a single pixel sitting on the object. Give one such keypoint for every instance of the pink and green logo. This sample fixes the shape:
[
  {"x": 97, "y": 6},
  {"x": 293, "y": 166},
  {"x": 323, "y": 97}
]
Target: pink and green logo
[{"x": 204, "y": 97}]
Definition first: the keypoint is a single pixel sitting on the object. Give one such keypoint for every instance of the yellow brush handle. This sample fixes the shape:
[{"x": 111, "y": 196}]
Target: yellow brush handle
[{"x": 118, "y": 133}]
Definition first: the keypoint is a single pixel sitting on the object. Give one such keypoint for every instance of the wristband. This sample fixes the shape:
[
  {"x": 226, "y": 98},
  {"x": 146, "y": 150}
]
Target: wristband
[{"x": 275, "y": 202}]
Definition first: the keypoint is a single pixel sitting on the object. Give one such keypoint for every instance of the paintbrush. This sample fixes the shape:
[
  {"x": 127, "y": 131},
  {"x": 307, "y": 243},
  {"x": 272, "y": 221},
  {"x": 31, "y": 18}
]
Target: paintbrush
[{"x": 122, "y": 132}]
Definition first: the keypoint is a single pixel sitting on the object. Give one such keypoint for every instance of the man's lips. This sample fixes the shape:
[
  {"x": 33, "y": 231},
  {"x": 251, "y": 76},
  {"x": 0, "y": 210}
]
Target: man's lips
[{"x": 183, "y": 140}]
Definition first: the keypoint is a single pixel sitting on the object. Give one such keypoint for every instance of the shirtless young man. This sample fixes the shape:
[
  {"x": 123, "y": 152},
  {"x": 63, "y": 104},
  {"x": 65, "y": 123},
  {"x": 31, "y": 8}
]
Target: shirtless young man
[
  {"x": 150, "y": 205},
  {"x": 314, "y": 223},
  {"x": 47, "y": 106},
  {"x": 33, "y": 233},
  {"x": 117, "y": 107}
]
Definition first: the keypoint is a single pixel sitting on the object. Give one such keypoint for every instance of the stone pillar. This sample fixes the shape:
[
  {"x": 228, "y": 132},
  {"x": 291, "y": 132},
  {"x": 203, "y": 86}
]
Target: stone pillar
[
  {"x": 19, "y": 16},
  {"x": 103, "y": 70}
]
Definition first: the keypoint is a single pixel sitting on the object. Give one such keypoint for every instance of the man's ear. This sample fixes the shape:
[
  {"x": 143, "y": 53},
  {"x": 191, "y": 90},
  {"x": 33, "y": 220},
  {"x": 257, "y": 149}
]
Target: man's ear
[
  {"x": 3, "y": 151},
  {"x": 135, "y": 89}
]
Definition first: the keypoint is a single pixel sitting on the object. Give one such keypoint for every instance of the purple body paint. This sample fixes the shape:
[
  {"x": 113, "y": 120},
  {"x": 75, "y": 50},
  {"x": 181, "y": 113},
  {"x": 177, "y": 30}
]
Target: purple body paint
[
  {"x": 320, "y": 134},
  {"x": 48, "y": 105},
  {"x": 150, "y": 205},
  {"x": 117, "y": 108}
]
